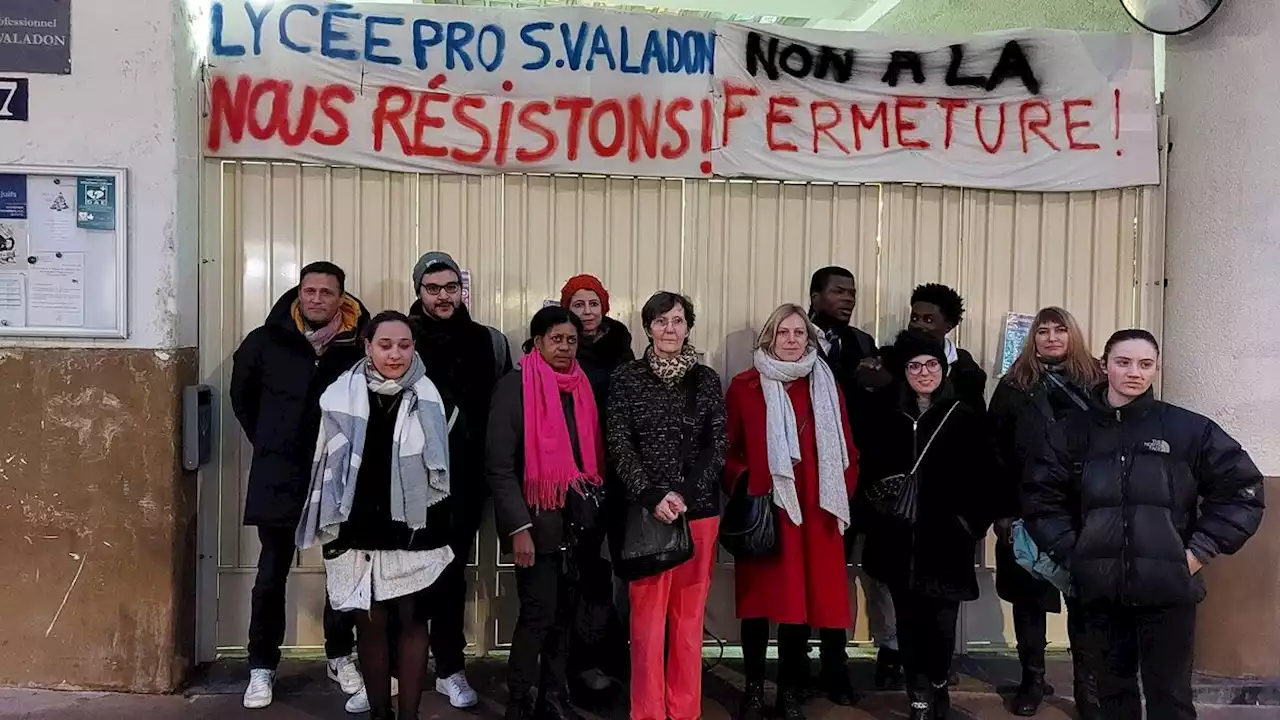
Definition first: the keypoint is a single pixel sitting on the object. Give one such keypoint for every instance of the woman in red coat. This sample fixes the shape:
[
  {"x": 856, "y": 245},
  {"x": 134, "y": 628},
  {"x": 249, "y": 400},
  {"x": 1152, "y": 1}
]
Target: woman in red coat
[{"x": 789, "y": 436}]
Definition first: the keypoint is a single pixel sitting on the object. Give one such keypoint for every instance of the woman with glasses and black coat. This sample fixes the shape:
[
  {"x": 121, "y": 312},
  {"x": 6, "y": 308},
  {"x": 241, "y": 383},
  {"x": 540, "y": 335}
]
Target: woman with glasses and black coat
[{"x": 927, "y": 561}]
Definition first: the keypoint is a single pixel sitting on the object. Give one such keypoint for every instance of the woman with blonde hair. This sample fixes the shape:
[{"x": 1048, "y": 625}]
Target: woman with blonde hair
[
  {"x": 790, "y": 442},
  {"x": 1052, "y": 376}
]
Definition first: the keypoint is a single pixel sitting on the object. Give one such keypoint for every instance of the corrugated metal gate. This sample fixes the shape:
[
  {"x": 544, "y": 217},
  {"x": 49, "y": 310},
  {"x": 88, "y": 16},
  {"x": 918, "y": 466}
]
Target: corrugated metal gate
[{"x": 739, "y": 248}]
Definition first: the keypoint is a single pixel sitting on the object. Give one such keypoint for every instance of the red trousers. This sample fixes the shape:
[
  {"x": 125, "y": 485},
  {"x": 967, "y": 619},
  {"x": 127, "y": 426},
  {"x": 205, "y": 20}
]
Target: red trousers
[{"x": 670, "y": 606}]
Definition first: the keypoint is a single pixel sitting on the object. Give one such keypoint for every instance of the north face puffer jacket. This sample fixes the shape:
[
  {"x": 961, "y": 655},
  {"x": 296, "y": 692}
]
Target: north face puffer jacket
[{"x": 1119, "y": 495}]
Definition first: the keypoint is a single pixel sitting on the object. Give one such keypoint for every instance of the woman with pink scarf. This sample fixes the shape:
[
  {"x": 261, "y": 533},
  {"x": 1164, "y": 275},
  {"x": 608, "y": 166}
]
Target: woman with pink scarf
[{"x": 544, "y": 464}]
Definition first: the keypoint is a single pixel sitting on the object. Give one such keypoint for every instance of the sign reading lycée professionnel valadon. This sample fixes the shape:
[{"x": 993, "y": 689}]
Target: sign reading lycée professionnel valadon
[
  {"x": 35, "y": 36},
  {"x": 457, "y": 89}
]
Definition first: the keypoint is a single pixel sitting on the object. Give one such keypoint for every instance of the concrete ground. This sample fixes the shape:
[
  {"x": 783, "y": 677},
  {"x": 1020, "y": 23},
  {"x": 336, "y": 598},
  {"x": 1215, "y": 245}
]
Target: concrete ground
[{"x": 303, "y": 693}]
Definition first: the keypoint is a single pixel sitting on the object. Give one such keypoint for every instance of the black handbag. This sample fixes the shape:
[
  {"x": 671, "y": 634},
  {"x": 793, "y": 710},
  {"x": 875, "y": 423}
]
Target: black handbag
[
  {"x": 582, "y": 509},
  {"x": 652, "y": 547},
  {"x": 749, "y": 527},
  {"x": 649, "y": 546},
  {"x": 898, "y": 496}
]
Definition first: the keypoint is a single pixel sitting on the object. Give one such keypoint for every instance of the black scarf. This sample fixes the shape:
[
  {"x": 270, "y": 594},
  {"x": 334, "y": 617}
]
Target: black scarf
[
  {"x": 608, "y": 349},
  {"x": 458, "y": 354}
]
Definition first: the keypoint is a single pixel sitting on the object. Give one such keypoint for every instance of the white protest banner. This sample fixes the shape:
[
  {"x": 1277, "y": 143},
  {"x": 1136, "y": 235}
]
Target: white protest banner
[
  {"x": 438, "y": 88},
  {"x": 1018, "y": 110},
  {"x": 445, "y": 88}
]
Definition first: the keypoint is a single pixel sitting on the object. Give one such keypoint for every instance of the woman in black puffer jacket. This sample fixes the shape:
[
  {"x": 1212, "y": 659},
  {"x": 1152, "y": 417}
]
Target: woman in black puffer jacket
[
  {"x": 1050, "y": 378},
  {"x": 928, "y": 564},
  {"x": 1133, "y": 497}
]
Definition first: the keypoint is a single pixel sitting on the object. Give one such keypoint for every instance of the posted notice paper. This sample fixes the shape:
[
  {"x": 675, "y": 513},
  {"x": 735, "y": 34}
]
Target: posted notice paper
[
  {"x": 55, "y": 285},
  {"x": 13, "y": 300}
]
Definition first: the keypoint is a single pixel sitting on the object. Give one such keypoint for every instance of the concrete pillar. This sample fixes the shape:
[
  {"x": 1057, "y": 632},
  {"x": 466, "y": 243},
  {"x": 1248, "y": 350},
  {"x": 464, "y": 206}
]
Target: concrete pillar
[
  {"x": 96, "y": 514},
  {"x": 1222, "y": 350}
]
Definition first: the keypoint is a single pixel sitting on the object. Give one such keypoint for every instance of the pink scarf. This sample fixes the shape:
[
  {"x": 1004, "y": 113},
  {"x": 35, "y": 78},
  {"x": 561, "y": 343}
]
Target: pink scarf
[{"x": 549, "y": 467}]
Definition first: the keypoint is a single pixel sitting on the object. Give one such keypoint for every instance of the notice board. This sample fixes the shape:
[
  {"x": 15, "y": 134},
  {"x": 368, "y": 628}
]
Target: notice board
[{"x": 63, "y": 252}]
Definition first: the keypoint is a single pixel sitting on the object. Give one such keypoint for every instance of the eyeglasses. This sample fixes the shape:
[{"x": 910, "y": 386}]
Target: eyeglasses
[
  {"x": 917, "y": 368},
  {"x": 452, "y": 288}
]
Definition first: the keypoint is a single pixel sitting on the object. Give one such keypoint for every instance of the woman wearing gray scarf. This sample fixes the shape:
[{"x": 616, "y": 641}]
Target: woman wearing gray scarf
[
  {"x": 380, "y": 474},
  {"x": 789, "y": 438}
]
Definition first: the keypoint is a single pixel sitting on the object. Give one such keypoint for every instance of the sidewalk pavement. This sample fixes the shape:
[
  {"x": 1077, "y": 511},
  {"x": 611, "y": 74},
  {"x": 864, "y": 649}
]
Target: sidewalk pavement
[{"x": 303, "y": 693}]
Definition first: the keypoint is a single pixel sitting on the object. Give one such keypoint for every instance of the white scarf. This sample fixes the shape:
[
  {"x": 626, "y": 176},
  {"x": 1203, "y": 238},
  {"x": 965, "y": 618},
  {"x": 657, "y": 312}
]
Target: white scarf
[{"x": 784, "y": 439}]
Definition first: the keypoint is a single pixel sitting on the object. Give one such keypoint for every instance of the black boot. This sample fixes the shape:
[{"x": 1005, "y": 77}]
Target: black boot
[
  {"x": 519, "y": 708},
  {"x": 803, "y": 686},
  {"x": 835, "y": 680},
  {"x": 752, "y": 706},
  {"x": 1033, "y": 689},
  {"x": 388, "y": 715},
  {"x": 941, "y": 702},
  {"x": 888, "y": 668},
  {"x": 920, "y": 704},
  {"x": 555, "y": 705},
  {"x": 789, "y": 705}
]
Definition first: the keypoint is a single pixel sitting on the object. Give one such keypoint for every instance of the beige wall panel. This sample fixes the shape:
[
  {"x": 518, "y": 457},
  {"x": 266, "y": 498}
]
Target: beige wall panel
[
  {"x": 753, "y": 245},
  {"x": 920, "y": 238}
]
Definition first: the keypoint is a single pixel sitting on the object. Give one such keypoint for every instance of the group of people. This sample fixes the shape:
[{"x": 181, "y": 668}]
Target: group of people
[{"x": 381, "y": 439}]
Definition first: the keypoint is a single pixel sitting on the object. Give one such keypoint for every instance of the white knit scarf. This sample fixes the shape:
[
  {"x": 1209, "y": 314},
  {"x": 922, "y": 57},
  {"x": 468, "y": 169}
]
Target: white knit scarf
[{"x": 784, "y": 439}]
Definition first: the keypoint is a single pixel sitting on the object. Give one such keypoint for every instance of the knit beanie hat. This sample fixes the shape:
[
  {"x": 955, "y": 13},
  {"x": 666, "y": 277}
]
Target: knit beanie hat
[
  {"x": 433, "y": 259},
  {"x": 912, "y": 344},
  {"x": 584, "y": 282}
]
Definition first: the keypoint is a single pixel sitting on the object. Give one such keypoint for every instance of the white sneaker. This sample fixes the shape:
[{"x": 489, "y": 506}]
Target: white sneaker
[
  {"x": 343, "y": 671},
  {"x": 359, "y": 702},
  {"x": 259, "y": 693},
  {"x": 458, "y": 690}
]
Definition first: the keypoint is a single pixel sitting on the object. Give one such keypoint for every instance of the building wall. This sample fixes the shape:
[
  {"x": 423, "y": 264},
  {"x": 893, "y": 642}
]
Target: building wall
[
  {"x": 94, "y": 508},
  {"x": 969, "y": 16},
  {"x": 91, "y": 491},
  {"x": 1223, "y": 356}
]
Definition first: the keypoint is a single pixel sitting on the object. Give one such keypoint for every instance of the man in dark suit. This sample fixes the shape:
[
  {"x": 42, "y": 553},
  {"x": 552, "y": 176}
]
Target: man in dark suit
[{"x": 855, "y": 362}]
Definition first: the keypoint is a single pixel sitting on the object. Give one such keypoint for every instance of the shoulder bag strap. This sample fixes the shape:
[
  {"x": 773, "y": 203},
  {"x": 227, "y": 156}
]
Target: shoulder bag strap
[
  {"x": 690, "y": 418},
  {"x": 936, "y": 430},
  {"x": 1070, "y": 390}
]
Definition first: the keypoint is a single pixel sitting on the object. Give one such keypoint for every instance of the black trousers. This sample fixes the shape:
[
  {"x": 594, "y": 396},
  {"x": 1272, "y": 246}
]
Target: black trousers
[
  {"x": 926, "y": 636},
  {"x": 1118, "y": 642},
  {"x": 1084, "y": 684},
  {"x": 267, "y": 610},
  {"x": 1031, "y": 628},
  {"x": 598, "y": 639},
  {"x": 448, "y": 617},
  {"x": 793, "y": 651},
  {"x": 546, "y": 591}
]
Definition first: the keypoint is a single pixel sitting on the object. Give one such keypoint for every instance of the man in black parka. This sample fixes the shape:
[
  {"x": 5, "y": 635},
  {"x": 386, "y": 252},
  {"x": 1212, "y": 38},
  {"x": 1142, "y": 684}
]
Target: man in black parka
[
  {"x": 465, "y": 360},
  {"x": 311, "y": 336}
]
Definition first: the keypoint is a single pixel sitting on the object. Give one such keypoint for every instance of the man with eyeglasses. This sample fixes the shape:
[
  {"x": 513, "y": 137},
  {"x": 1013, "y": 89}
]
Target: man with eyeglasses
[{"x": 465, "y": 360}]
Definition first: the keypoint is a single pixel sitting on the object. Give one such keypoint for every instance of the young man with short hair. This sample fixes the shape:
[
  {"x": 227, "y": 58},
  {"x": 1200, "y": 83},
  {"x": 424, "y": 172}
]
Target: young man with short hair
[
  {"x": 465, "y": 360},
  {"x": 937, "y": 309},
  {"x": 855, "y": 362}
]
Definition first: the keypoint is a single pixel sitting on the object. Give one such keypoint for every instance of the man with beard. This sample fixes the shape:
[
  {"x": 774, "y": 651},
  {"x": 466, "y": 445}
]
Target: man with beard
[
  {"x": 855, "y": 362},
  {"x": 311, "y": 336},
  {"x": 465, "y": 360}
]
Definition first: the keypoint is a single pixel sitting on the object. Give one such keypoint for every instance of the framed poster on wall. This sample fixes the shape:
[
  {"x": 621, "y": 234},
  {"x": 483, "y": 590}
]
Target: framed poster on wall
[{"x": 64, "y": 252}]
